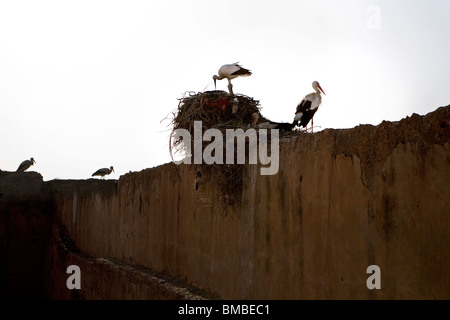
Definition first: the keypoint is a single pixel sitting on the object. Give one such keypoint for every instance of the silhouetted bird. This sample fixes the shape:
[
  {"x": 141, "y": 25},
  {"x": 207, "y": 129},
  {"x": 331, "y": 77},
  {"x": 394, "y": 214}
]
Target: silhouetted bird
[
  {"x": 25, "y": 165},
  {"x": 103, "y": 172}
]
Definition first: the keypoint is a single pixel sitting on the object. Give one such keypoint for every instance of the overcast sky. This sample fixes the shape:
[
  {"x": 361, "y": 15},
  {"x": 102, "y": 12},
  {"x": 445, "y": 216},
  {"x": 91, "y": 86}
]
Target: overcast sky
[{"x": 86, "y": 84}]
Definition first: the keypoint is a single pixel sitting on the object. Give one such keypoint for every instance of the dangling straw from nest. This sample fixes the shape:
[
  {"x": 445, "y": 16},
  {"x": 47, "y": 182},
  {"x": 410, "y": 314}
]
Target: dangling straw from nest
[{"x": 219, "y": 110}]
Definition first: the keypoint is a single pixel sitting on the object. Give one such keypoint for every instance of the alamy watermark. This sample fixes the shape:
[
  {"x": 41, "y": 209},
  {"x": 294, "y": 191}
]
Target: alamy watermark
[
  {"x": 374, "y": 281},
  {"x": 373, "y": 21},
  {"x": 213, "y": 153},
  {"x": 74, "y": 280}
]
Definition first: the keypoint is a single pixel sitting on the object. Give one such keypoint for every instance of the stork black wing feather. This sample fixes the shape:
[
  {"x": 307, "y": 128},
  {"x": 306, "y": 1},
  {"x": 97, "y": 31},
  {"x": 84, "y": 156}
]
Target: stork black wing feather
[
  {"x": 285, "y": 126},
  {"x": 242, "y": 72},
  {"x": 303, "y": 106},
  {"x": 307, "y": 116}
]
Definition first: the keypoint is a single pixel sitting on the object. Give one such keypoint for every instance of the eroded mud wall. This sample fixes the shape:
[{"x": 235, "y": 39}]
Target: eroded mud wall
[
  {"x": 341, "y": 201},
  {"x": 26, "y": 217}
]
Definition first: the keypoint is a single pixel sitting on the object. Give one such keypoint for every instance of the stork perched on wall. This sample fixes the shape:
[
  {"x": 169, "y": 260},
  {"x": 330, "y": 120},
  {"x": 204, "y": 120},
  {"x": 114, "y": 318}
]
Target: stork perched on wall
[
  {"x": 103, "y": 172},
  {"x": 25, "y": 165},
  {"x": 230, "y": 71},
  {"x": 308, "y": 107}
]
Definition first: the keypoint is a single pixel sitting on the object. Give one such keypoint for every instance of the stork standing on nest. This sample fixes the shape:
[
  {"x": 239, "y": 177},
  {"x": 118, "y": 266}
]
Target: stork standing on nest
[
  {"x": 308, "y": 107},
  {"x": 103, "y": 172},
  {"x": 25, "y": 165},
  {"x": 230, "y": 71}
]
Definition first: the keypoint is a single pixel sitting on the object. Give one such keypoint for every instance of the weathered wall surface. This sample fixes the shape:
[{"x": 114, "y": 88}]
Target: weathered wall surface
[
  {"x": 109, "y": 279},
  {"x": 35, "y": 249},
  {"x": 342, "y": 200},
  {"x": 26, "y": 217}
]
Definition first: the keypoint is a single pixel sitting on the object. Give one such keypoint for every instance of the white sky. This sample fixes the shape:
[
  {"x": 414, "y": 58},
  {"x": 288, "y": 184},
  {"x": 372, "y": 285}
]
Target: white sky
[{"x": 85, "y": 84}]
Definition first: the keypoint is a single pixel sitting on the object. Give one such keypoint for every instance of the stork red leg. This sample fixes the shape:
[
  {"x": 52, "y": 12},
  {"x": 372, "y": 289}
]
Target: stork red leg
[{"x": 230, "y": 88}]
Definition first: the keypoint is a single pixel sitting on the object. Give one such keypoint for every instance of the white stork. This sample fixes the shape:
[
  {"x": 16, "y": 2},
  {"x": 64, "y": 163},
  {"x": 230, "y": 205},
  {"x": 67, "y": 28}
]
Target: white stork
[
  {"x": 308, "y": 107},
  {"x": 25, "y": 165},
  {"x": 103, "y": 172},
  {"x": 230, "y": 71}
]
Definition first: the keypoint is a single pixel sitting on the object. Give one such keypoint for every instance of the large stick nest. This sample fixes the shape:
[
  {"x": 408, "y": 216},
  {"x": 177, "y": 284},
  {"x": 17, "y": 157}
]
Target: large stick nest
[
  {"x": 219, "y": 110},
  {"x": 215, "y": 110}
]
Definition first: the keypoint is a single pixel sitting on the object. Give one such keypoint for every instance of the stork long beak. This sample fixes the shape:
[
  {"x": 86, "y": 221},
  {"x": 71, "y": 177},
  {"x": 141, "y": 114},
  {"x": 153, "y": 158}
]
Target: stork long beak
[{"x": 321, "y": 89}]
